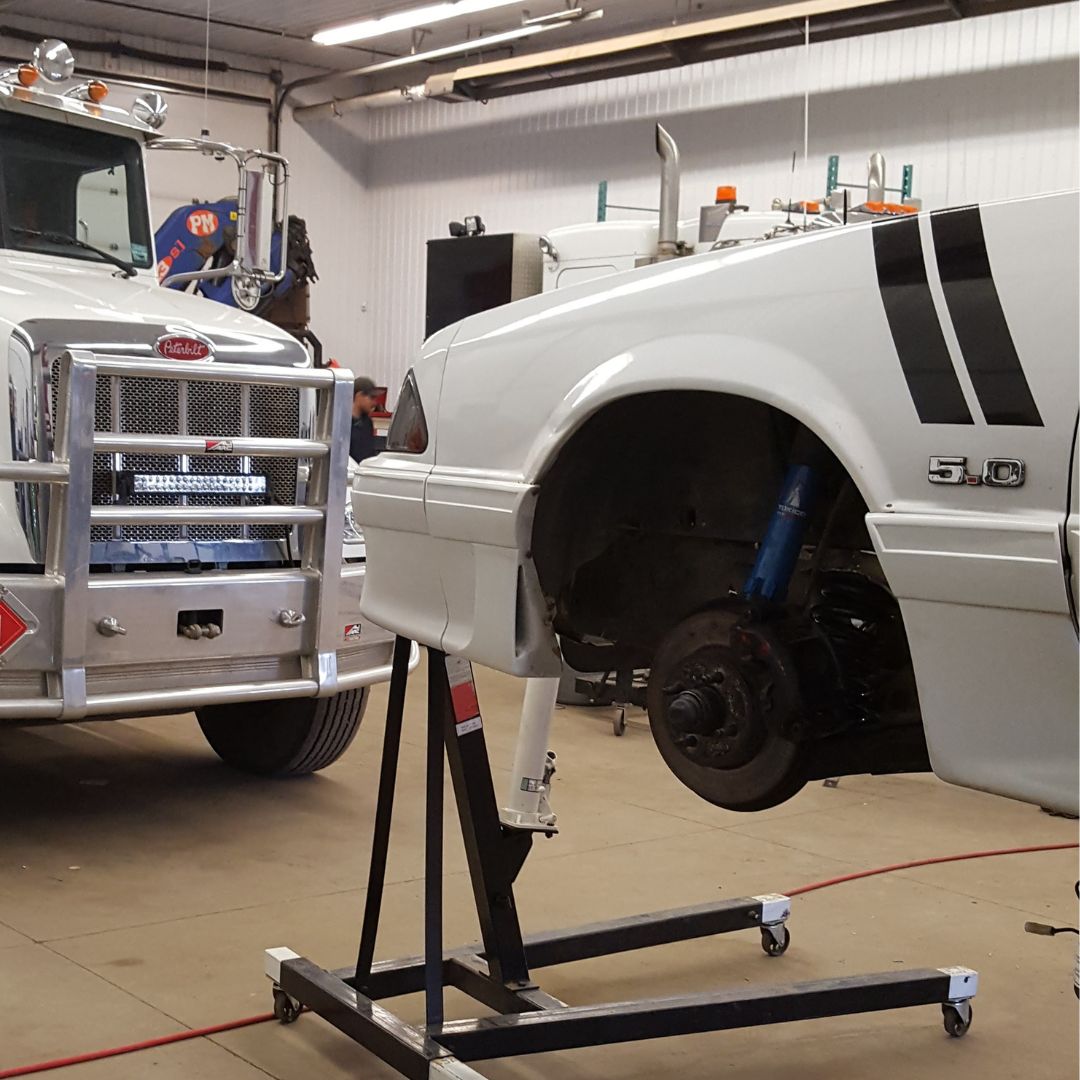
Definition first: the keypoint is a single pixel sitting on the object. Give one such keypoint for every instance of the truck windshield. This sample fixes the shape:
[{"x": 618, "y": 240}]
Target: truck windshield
[{"x": 68, "y": 181}]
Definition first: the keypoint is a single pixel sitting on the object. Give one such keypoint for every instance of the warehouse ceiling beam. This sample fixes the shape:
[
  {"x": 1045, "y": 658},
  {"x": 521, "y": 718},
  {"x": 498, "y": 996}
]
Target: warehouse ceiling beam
[
  {"x": 529, "y": 28},
  {"x": 673, "y": 46}
]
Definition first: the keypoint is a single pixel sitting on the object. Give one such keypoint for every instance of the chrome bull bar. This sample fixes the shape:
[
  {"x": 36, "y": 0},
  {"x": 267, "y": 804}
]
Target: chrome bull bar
[{"x": 320, "y": 517}]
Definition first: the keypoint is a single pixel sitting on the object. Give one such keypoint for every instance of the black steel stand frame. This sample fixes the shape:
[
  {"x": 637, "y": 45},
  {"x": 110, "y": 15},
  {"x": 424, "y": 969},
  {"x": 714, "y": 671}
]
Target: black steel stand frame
[{"x": 498, "y": 972}]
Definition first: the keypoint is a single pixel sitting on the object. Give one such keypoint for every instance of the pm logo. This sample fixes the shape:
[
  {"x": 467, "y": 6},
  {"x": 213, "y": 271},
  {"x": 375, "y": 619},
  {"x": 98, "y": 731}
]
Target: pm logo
[{"x": 202, "y": 223}]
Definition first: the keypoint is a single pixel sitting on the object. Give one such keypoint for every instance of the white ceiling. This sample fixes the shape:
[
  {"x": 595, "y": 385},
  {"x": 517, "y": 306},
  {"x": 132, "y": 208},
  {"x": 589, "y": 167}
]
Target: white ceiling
[{"x": 277, "y": 31}]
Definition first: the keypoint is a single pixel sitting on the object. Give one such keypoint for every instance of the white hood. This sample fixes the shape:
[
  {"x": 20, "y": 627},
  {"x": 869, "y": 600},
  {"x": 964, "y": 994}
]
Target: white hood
[{"x": 46, "y": 289}]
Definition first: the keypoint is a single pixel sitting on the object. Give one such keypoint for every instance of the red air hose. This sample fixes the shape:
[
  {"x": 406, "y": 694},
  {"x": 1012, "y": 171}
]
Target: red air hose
[
  {"x": 146, "y": 1044},
  {"x": 859, "y": 874},
  {"x": 262, "y": 1018}
]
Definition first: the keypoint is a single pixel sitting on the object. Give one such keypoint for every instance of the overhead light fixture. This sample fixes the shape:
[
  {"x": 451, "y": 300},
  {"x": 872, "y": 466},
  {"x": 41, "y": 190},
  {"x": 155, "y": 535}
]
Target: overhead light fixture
[
  {"x": 474, "y": 44},
  {"x": 554, "y": 16},
  {"x": 406, "y": 20}
]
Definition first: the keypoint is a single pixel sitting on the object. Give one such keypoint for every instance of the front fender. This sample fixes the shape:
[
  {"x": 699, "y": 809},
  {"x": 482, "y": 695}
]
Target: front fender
[
  {"x": 522, "y": 379},
  {"x": 753, "y": 369}
]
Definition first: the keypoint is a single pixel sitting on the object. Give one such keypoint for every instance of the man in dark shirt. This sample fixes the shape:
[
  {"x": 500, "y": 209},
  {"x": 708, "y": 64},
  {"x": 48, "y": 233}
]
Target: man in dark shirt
[{"x": 362, "y": 440}]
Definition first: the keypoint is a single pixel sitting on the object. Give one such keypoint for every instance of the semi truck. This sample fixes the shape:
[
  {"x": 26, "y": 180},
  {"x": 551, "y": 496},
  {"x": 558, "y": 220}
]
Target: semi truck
[
  {"x": 174, "y": 533},
  {"x": 576, "y": 253}
]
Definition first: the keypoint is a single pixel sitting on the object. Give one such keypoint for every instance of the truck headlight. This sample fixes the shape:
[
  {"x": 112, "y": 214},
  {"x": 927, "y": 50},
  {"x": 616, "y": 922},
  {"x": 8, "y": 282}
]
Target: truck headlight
[
  {"x": 408, "y": 432},
  {"x": 352, "y": 530}
]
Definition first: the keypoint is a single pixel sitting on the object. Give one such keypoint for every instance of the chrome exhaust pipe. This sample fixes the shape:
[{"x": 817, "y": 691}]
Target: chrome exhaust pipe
[
  {"x": 667, "y": 243},
  {"x": 875, "y": 179}
]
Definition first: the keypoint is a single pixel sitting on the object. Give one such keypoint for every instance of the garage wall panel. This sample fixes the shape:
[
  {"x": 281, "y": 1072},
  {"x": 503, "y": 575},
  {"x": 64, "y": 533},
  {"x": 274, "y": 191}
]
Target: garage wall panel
[
  {"x": 328, "y": 167},
  {"x": 984, "y": 109}
]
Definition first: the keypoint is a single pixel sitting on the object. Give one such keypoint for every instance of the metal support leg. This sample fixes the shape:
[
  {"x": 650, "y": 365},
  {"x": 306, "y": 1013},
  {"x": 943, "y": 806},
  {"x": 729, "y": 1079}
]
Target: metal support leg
[
  {"x": 495, "y": 854},
  {"x": 629, "y": 1021},
  {"x": 433, "y": 844},
  {"x": 384, "y": 811}
]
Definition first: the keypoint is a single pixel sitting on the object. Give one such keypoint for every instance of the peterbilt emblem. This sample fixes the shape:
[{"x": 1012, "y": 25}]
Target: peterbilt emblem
[
  {"x": 183, "y": 347},
  {"x": 219, "y": 446}
]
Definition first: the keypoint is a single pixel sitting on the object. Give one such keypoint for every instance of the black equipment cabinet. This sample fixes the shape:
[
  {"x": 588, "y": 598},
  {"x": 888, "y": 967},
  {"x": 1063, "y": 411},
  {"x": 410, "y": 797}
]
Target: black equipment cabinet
[{"x": 469, "y": 274}]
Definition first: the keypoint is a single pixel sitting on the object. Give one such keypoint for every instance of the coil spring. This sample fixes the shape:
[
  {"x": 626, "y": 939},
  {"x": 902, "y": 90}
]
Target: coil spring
[{"x": 858, "y": 618}]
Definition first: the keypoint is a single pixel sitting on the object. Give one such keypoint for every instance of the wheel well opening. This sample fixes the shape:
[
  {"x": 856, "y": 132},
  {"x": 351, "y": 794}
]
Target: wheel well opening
[
  {"x": 716, "y": 542},
  {"x": 655, "y": 506}
]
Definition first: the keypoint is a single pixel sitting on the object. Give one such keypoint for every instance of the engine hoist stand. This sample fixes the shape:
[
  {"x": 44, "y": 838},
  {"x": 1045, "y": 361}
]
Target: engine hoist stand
[{"x": 498, "y": 972}]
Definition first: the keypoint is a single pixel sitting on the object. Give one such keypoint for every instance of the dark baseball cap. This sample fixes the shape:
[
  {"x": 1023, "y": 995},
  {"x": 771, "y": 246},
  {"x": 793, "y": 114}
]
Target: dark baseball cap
[{"x": 363, "y": 385}]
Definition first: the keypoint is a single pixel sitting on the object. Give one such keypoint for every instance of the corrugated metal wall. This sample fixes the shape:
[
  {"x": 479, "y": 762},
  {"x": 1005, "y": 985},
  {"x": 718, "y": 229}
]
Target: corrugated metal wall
[
  {"x": 985, "y": 108},
  {"x": 327, "y": 166}
]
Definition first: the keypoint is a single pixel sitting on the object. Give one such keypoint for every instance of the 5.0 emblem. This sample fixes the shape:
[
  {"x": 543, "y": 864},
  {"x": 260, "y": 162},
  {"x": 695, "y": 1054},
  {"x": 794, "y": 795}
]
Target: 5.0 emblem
[{"x": 996, "y": 472}]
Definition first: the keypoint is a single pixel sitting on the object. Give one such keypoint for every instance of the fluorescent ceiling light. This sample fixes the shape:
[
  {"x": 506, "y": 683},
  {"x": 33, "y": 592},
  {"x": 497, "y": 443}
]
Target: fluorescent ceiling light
[
  {"x": 474, "y": 44},
  {"x": 406, "y": 20}
]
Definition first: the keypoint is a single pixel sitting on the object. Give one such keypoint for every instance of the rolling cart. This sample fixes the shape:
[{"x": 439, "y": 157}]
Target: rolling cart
[{"x": 498, "y": 972}]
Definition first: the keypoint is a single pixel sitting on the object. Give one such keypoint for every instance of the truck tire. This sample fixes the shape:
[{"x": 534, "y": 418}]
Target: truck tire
[{"x": 284, "y": 738}]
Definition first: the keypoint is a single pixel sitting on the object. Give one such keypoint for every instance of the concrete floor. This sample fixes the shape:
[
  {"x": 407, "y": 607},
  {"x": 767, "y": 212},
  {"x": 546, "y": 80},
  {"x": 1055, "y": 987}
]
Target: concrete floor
[{"x": 140, "y": 881}]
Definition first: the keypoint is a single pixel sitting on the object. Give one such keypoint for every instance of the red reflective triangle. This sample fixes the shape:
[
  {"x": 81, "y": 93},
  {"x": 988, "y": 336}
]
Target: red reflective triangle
[{"x": 12, "y": 627}]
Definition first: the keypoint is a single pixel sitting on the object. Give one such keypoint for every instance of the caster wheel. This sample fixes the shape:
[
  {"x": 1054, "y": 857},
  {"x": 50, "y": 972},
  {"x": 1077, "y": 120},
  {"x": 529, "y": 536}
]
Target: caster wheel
[
  {"x": 956, "y": 1022},
  {"x": 286, "y": 1009},
  {"x": 618, "y": 725},
  {"x": 771, "y": 946}
]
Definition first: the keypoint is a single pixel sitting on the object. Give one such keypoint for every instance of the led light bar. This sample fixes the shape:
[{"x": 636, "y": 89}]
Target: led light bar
[
  {"x": 197, "y": 484},
  {"x": 406, "y": 20}
]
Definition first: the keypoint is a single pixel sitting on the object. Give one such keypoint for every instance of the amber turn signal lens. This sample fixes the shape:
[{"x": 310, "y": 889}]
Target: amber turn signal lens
[
  {"x": 97, "y": 91},
  {"x": 28, "y": 74}
]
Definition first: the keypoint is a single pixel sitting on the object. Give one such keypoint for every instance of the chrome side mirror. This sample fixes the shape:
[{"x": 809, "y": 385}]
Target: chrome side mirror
[
  {"x": 261, "y": 201},
  {"x": 256, "y": 225},
  {"x": 151, "y": 108},
  {"x": 54, "y": 60}
]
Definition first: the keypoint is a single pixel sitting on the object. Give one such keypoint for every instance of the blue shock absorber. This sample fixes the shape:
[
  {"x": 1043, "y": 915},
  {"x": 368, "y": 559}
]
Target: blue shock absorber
[{"x": 775, "y": 563}]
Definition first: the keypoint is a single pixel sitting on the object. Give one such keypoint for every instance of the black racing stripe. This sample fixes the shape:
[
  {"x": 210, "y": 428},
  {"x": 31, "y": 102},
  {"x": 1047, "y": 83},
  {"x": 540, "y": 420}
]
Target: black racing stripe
[
  {"x": 977, "y": 317},
  {"x": 916, "y": 332}
]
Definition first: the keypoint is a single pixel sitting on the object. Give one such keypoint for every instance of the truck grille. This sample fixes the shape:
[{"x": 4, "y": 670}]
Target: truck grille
[{"x": 219, "y": 410}]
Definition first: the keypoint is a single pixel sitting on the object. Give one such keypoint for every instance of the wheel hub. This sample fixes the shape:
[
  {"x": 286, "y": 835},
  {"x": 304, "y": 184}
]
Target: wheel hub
[
  {"x": 721, "y": 701},
  {"x": 713, "y": 710}
]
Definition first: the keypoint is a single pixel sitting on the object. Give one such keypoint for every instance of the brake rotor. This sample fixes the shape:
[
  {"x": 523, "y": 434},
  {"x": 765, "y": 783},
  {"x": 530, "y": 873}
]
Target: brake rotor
[{"x": 723, "y": 707}]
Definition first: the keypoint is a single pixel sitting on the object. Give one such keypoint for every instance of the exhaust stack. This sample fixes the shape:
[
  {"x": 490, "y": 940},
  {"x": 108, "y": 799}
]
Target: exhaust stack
[
  {"x": 875, "y": 179},
  {"x": 667, "y": 246}
]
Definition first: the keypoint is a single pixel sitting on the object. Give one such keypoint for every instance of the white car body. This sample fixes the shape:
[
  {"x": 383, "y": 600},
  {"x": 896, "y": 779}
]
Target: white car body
[{"x": 980, "y": 571}]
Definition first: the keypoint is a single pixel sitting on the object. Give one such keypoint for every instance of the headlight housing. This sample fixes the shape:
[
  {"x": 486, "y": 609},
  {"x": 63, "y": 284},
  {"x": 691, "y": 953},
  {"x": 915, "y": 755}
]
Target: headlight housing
[
  {"x": 352, "y": 530},
  {"x": 408, "y": 432}
]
